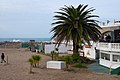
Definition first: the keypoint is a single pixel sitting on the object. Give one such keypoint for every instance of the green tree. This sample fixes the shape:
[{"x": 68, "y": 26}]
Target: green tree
[{"x": 75, "y": 24}]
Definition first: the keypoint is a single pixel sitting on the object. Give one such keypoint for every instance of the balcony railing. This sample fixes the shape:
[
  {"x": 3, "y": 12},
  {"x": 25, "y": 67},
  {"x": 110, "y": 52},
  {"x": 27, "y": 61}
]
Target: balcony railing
[{"x": 108, "y": 46}]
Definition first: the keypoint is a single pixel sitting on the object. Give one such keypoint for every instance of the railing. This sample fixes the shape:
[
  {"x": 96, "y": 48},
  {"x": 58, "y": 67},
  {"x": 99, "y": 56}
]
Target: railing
[
  {"x": 108, "y": 46},
  {"x": 115, "y": 46}
]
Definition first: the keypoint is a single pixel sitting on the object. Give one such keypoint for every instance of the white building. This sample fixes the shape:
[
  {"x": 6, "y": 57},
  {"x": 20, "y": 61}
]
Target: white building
[
  {"x": 61, "y": 49},
  {"x": 108, "y": 52}
]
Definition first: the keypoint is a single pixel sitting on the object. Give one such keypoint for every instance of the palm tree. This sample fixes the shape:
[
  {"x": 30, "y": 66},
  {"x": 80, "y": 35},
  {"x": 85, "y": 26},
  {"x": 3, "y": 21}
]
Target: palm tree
[
  {"x": 75, "y": 24},
  {"x": 31, "y": 64},
  {"x": 36, "y": 59},
  {"x": 67, "y": 59}
]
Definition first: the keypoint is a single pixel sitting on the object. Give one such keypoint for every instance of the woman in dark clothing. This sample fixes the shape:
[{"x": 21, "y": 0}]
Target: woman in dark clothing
[{"x": 2, "y": 57}]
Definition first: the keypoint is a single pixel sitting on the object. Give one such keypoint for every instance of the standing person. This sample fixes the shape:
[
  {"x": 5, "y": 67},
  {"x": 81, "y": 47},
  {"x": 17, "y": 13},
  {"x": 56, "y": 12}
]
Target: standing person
[{"x": 2, "y": 57}]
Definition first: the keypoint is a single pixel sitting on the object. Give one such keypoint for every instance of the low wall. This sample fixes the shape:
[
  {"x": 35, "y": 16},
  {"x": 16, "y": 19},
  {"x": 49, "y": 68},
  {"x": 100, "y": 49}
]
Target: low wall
[{"x": 10, "y": 44}]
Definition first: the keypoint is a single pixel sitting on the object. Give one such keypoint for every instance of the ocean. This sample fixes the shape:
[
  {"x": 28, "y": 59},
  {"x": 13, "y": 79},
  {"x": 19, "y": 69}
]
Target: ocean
[{"x": 25, "y": 39}]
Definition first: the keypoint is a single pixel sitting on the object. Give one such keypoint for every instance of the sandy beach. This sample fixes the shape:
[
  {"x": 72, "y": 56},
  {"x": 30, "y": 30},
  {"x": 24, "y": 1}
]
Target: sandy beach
[{"x": 18, "y": 69}]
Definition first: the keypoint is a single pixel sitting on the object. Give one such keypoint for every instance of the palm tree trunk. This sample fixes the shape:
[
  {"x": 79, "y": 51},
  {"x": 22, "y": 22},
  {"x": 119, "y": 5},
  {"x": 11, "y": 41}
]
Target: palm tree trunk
[
  {"x": 66, "y": 65},
  {"x": 75, "y": 48},
  {"x": 38, "y": 64}
]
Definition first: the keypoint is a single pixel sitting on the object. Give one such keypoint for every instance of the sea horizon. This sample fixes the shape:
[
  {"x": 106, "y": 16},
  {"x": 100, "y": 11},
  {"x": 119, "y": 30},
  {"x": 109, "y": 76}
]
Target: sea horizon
[{"x": 24, "y": 39}]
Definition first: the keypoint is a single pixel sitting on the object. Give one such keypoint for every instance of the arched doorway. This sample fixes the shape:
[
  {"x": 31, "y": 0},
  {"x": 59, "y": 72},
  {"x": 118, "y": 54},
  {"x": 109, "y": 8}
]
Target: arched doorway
[{"x": 107, "y": 36}]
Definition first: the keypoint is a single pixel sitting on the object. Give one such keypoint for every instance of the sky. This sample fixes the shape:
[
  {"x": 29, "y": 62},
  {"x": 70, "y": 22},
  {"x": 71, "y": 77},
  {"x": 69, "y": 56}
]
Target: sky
[{"x": 33, "y": 18}]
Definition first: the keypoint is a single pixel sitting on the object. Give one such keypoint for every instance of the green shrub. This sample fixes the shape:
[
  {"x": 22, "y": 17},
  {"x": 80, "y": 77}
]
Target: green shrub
[
  {"x": 76, "y": 57},
  {"x": 67, "y": 59},
  {"x": 60, "y": 58},
  {"x": 37, "y": 58},
  {"x": 54, "y": 55},
  {"x": 47, "y": 54},
  {"x": 31, "y": 64},
  {"x": 34, "y": 60},
  {"x": 86, "y": 60},
  {"x": 25, "y": 45},
  {"x": 80, "y": 65},
  {"x": 33, "y": 57},
  {"x": 118, "y": 73},
  {"x": 31, "y": 61}
]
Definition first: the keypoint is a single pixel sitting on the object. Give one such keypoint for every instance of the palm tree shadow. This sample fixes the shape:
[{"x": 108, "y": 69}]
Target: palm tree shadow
[
  {"x": 33, "y": 72},
  {"x": 42, "y": 67}
]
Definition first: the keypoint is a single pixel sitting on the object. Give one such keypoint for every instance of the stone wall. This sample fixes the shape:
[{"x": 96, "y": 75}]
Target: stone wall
[{"x": 10, "y": 44}]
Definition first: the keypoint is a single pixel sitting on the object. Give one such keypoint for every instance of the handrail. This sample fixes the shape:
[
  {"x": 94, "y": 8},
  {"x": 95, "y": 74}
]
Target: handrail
[{"x": 108, "y": 46}]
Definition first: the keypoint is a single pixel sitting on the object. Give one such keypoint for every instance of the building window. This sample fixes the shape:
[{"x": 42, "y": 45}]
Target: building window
[
  {"x": 116, "y": 58},
  {"x": 105, "y": 56}
]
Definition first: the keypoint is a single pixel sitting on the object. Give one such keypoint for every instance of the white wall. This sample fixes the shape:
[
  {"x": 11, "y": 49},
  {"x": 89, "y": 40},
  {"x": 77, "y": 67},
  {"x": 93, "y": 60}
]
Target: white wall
[
  {"x": 109, "y": 64},
  {"x": 49, "y": 48},
  {"x": 62, "y": 48}
]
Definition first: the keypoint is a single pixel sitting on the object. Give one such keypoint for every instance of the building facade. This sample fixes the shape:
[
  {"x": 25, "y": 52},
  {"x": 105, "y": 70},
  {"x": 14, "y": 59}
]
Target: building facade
[{"x": 107, "y": 49}]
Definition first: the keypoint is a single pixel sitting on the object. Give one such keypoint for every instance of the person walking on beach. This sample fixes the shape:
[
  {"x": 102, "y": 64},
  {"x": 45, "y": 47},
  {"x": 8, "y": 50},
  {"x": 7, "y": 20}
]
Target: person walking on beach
[{"x": 2, "y": 58}]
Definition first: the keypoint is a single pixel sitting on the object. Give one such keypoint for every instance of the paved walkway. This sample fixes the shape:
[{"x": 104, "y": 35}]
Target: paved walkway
[{"x": 96, "y": 67}]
